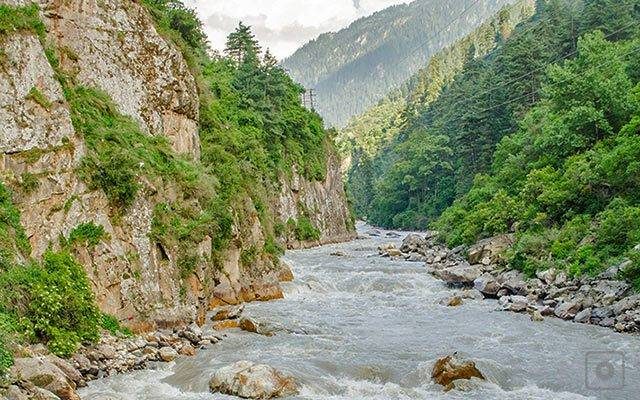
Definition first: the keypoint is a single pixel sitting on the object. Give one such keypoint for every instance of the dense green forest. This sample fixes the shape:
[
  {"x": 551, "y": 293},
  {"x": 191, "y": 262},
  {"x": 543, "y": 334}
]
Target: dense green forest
[
  {"x": 541, "y": 137},
  {"x": 371, "y": 131},
  {"x": 356, "y": 67},
  {"x": 253, "y": 129}
]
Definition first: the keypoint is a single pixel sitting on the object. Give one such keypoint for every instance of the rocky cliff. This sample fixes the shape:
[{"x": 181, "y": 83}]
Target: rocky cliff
[{"x": 113, "y": 46}]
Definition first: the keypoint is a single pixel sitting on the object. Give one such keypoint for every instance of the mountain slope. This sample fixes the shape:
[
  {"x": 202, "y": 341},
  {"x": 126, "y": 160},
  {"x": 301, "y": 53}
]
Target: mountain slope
[
  {"x": 369, "y": 132},
  {"x": 355, "y": 67},
  {"x": 539, "y": 139}
]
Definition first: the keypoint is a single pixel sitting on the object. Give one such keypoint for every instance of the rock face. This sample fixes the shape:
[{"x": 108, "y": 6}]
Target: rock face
[
  {"x": 45, "y": 374},
  {"x": 112, "y": 45},
  {"x": 451, "y": 368},
  {"x": 252, "y": 381}
]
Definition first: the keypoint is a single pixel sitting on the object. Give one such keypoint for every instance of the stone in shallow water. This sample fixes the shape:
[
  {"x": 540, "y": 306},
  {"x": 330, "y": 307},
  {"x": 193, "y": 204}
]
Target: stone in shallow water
[
  {"x": 252, "y": 381},
  {"x": 229, "y": 312},
  {"x": 451, "y": 368}
]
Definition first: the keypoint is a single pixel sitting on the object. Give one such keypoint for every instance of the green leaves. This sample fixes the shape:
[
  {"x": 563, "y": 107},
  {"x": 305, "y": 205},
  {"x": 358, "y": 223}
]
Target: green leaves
[{"x": 52, "y": 302}]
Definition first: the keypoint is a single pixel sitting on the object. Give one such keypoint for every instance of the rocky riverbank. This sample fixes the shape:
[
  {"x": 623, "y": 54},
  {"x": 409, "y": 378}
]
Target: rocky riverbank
[
  {"x": 480, "y": 269},
  {"x": 38, "y": 374}
]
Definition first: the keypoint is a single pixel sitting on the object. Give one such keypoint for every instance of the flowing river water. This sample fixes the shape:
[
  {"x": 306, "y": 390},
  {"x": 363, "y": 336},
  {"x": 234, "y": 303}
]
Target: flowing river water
[{"x": 359, "y": 326}]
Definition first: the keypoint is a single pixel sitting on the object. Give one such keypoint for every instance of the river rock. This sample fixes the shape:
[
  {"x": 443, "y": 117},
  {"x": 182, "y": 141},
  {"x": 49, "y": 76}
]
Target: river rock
[
  {"x": 487, "y": 284},
  {"x": 44, "y": 374},
  {"x": 583, "y": 316},
  {"x": 249, "y": 325},
  {"x": 229, "y": 312},
  {"x": 514, "y": 303},
  {"x": 462, "y": 274},
  {"x": 490, "y": 249},
  {"x": 451, "y": 368},
  {"x": 454, "y": 301},
  {"x": 252, "y": 381},
  {"x": 610, "y": 291},
  {"x": 548, "y": 276},
  {"x": 537, "y": 316},
  {"x": 567, "y": 309},
  {"x": 626, "y": 304},
  {"x": 414, "y": 243},
  {"x": 168, "y": 354},
  {"x": 384, "y": 248}
]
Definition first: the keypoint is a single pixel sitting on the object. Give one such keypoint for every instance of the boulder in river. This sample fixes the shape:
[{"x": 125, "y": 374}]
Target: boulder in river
[
  {"x": 451, "y": 368},
  {"x": 487, "y": 285},
  {"x": 414, "y": 243},
  {"x": 461, "y": 274},
  {"x": 229, "y": 312},
  {"x": 567, "y": 309},
  {"x": 252, "y": 381},
  {"x": 249, "y": 325}
]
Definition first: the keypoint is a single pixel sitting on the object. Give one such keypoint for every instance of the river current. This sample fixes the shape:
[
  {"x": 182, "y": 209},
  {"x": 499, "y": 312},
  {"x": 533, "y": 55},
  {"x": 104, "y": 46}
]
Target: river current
[{"x": 358, "y": 326}]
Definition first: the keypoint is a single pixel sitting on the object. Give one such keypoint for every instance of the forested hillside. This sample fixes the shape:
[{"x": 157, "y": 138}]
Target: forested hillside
[
  {"x": 357, "y": 66},
  {"x": 369, "y": 132},
  {"x": 540, "y": 137}
]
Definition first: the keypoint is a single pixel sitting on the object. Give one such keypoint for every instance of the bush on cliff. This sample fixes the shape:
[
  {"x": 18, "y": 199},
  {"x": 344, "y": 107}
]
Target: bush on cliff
[{"x": 51, "y": 302}]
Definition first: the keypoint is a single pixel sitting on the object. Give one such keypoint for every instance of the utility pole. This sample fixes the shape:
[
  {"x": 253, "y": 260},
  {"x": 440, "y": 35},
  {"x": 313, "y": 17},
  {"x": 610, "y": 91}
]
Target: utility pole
[
  {"x": 307, "y": 99},
  {"x": 311, "y": 101}
]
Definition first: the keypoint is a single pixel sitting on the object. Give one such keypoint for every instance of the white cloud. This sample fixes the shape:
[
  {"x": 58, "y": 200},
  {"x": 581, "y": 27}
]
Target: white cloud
[{"x": 282, "y": 25}]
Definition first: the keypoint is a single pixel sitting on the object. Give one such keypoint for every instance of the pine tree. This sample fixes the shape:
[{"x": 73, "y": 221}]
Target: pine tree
[{"x": 242, "y": 45}]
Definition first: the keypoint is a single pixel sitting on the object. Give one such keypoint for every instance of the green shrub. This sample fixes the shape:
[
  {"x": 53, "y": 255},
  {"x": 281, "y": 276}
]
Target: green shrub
[
  {"x": 52, "y": 301},
  {"x": 37, "y": 96},
  {"x": 304, "y": 230},
  {"x": 13, "y": 240},
  {"x": 88, "y": 234},
  {"x": 29, "y": 183},
  {"x": 248, "y": 257},
  {"x": 25, "y": 18},
  {"x": 112, "y": 325},
  {"x": 6, "y": 357}
]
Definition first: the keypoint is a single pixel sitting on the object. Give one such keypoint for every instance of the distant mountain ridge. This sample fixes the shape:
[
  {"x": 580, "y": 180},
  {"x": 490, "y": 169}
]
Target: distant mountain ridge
[{"x": 354, "y": 68}]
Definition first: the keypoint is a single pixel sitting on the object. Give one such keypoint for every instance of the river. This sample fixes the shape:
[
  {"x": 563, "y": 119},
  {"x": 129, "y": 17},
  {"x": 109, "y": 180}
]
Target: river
[{"x": 359, "y": 326}]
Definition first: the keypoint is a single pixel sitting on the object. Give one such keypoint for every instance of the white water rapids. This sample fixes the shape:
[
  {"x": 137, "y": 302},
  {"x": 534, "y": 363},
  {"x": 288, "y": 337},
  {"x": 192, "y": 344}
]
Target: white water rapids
[{"x": 364, "y": 327}]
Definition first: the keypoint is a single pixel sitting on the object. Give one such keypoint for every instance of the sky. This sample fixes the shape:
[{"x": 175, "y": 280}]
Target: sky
[{"x": 282, "y": 25}]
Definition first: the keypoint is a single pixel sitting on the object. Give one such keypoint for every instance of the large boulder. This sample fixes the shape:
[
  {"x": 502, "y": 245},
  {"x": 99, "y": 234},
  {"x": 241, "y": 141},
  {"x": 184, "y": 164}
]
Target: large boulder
[
  {"x": 461, "y": 274},
  {"x": 252, "y": 381},
  {"x": 487, "y": 285},
  {"x": 228, "y": 312},
  {"x": 43, "y": 373},
  {"x": 451, "y": 368},
  {"x": 567, "y": 309},
  {"x": 414, "y": 243},
  {"x": 488, "y": 251}
]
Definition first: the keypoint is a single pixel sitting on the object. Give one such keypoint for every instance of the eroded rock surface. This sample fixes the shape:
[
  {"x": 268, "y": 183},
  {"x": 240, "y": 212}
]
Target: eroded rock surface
[{"x": 252, "y": 381}]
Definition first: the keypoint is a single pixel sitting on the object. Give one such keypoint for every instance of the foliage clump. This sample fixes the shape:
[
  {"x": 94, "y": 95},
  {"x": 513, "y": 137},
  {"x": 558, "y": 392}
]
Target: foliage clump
[
  {"x": 50, "y": 302},
  {"x": 88, "y": 234},
  {"x": 21, "y": 18}
]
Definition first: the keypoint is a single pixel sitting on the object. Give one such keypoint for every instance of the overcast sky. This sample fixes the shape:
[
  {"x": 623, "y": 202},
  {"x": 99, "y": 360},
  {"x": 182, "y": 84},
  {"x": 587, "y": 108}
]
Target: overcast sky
[{"x": 282, "y": 25}]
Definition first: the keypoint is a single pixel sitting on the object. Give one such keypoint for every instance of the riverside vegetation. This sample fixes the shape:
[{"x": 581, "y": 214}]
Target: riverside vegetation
[
  {"x": 540, "y": 137},
  {"x": 252, "y": 131}
]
